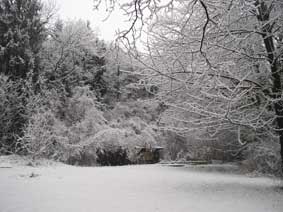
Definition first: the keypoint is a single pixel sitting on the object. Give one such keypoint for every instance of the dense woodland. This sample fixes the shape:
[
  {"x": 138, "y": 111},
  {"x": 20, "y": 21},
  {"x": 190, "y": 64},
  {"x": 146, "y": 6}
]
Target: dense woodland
[{"x": 206, "y": 86}]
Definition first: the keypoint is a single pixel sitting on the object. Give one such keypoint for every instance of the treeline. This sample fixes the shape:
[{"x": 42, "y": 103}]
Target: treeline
[
  {"x": 67, "y": 95},
  {"x": 60, "y": 88},
  {"x": 39, "y": 62}
]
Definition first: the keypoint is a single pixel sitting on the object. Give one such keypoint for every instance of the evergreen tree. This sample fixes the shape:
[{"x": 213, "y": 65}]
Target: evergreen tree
[{"x": 22, "y": 32}]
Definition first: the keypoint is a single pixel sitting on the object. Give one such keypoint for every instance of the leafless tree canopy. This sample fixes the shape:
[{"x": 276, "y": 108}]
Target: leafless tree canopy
[{"x": 217, "y": 64}]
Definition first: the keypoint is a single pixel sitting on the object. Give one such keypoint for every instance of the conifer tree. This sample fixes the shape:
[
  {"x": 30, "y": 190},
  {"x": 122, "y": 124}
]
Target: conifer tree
[{"x": 22, "y": 31}]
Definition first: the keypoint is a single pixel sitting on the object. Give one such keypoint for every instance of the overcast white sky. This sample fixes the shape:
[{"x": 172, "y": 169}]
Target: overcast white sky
[{"x": 83, "y": 9}]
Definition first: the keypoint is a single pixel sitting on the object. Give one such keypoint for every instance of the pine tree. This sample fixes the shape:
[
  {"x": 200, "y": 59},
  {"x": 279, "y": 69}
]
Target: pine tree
[{"x": 22, "y": 32}]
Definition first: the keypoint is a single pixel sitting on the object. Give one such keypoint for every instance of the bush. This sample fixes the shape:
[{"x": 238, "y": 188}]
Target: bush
[
  {"x": 74, "y": 131},
  {"x": 148, "y": 111},
  {"x": 119, "y": 144},
  {"x": 49, "y": 135},
  {"x": 43, "y": 135},
  {"x": 197, "y": 145},
  {"x": 263, "y": 157},
  {"x": 112, "y": 158},
  {"x": 107, "y": 147}
]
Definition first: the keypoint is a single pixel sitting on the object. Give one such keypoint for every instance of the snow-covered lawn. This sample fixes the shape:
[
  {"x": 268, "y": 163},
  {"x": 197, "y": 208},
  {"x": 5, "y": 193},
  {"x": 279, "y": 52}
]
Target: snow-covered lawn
[{"x": 147, "y": 188}]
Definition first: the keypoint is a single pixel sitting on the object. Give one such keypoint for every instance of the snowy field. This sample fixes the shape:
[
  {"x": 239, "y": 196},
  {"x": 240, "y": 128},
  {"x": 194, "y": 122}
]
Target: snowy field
[{"x": 147, "y": 188}]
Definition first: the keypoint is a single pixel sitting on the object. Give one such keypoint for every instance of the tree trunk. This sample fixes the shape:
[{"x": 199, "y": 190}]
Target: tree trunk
[
  {"x": 281, "y": 145},
  {"x": 279, "y": 118},
  {"x": 264, "y": 18}
]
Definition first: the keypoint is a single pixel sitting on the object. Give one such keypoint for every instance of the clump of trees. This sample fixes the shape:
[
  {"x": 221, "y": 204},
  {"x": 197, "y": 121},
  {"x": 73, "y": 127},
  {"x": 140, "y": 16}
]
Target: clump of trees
[
  {"x": 44, "y": 70},
  {"x": 207, "y": 85},
  {"x": 58, "y": 86},
  {"x": 217, "y": 64},
  {"x": 22, "y": 32}
]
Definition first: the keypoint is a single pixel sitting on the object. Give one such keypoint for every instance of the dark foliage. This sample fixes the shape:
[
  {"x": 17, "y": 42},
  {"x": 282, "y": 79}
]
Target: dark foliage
[
  {"x": 22, "y": 32},
  {"x": 83, "y": 159},
  {"x": 112, "y": 158},
  {"x": 13, "y": 114}
]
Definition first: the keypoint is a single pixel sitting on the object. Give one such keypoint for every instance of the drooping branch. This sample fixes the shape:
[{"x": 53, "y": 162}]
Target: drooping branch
[
  {"x": 137, "y": 10},
  {"x": 205, "y": 25}
]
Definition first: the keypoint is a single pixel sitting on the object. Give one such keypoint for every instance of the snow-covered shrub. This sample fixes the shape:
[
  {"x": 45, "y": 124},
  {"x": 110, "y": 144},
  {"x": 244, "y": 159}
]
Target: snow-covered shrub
[
  {"x": 80, "y": 105},
  {"x": 117, "y": 146},
  {"x": 40, "y": 137},
  {"x": 112, "y": 158},
  {"x": 75, "y": 130},
  {"x": 141, "y": 132},
  {"x": 110, "y": 139},
  {"x": 199, "y": 146},
  {"x": 47, "y": 136},
  {"x": 146, "y": 137},
  {"x": 138, "y": 118},
  {"x": 176, "y": 145},
  {"x": 50, "y": 135},
  {"x": 263, "y": 157},
  {"x": 108, "y": 147},
  {"x": 146, "y": 110}
]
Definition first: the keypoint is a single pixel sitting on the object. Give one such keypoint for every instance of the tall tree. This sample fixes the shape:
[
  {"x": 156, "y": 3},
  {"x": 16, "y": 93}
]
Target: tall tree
[
  {"x": 221, "y": 61},
  {"x": 22, "y": 31},
  {"x": 74, "y": 56}
]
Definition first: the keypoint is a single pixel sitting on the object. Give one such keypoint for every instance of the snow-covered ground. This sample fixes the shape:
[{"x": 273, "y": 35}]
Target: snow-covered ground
[{"x": 146, "y": 188}]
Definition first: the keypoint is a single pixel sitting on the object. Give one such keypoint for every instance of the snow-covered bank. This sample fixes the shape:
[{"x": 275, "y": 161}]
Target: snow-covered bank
[{"x": 134, "y": 189}]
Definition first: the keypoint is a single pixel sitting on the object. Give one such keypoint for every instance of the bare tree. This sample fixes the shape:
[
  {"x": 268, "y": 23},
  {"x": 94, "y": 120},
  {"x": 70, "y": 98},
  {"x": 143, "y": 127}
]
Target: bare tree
[
  {"x": 218, "y": 63},
  {"x": 71, "y": 52}
]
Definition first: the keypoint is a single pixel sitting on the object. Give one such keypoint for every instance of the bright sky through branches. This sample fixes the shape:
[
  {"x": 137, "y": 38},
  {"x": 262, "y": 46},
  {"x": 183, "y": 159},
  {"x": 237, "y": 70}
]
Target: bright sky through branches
[{"x": 83, "y": 9}]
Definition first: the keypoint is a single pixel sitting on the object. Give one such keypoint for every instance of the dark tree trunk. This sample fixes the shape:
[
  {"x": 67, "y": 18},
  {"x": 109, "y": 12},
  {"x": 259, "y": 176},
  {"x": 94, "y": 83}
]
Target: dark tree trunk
[
  {"x": 118, "y": 83},
  {"x": 279, "y": 113},
  {"x": 264, "y": 17},
  {"x": 281, "y": 144}
]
